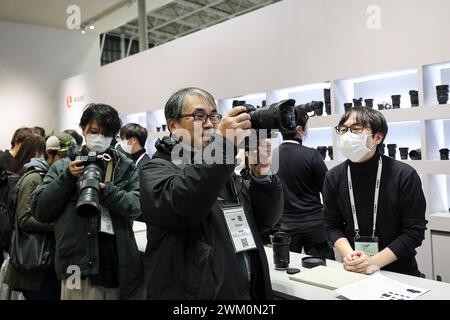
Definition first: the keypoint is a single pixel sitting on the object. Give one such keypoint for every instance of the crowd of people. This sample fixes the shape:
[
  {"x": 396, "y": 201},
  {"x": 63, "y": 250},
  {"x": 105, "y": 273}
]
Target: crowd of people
[{"x": 205, "y": 223}]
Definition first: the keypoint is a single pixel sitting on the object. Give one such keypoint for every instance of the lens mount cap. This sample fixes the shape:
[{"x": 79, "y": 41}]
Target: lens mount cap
[{"x": 311, "y": 262}]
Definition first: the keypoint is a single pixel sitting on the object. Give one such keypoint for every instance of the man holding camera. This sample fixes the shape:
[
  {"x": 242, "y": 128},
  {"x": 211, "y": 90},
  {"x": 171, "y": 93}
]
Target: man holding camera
[
  {"x": 203, "y": 222},
  {"x": 93, "y": 201}
]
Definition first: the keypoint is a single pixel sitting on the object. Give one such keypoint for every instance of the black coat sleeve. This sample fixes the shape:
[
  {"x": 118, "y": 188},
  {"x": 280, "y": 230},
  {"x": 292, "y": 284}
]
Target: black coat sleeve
[
  {"x": 175, "y": 199},
  {"x": 267, "y": 203},
  {"x": 320, "y": 169},
  {"x": 50, "y": 197},
  {"x": 412, "y": 207},
  {"x": 334, "y": 220}
]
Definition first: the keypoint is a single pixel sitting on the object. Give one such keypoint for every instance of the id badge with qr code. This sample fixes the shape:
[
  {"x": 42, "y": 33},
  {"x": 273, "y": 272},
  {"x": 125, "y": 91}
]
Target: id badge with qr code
[
  {"x": 106, "y": 224},
  {"x": 240, "y": 232}
]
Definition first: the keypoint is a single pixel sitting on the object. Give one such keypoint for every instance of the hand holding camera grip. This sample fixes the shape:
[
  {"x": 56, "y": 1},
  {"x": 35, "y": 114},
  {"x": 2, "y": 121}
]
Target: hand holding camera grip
[{"x": 235, "y": 126}]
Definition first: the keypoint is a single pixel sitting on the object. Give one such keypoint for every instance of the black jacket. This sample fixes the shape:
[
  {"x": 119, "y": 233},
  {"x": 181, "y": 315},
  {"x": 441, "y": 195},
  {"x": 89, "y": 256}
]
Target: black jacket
[
  {"x": 401, "y": 220},
  {"x": 189, "y": 253},
  {"x": 6, "y": 160},
  {"x": 77, "y": 237}
]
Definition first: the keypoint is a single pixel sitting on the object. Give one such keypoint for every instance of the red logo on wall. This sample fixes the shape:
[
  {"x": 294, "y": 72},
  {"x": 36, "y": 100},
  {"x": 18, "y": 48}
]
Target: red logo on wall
[{"x": 69, "y": 101}]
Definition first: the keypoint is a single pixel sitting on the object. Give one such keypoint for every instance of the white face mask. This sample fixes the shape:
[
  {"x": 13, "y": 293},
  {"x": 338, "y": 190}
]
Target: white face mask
[
  {"x": 353, "y": 145},
  {"x": 98, "y": 142},
  {"x": 126, "y": 147}
]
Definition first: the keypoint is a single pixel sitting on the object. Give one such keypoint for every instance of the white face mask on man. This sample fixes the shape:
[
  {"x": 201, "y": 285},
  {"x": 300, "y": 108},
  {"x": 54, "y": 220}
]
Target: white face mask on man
[
  {"x": 353, "y": 145},
  {"x": 97, "y": 142},
  {"x": 126, "y": 147}
]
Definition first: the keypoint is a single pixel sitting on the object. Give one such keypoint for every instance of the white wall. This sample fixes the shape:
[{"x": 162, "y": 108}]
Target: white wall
[
  {"x": 287, "y": 44},
  {"x": 33, "y": 62}
]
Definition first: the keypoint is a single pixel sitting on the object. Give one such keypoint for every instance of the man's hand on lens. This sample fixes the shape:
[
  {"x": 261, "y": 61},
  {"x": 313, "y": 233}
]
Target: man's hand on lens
[
  {"x": 261, "y": 167},
  {"x": 235, "y": 126},
  {"x": 76, "y": 168}
]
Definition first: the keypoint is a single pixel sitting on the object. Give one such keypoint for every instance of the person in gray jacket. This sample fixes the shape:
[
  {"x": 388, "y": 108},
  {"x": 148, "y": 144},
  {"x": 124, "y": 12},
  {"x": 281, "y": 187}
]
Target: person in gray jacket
[{"x": 96, "y": 254}]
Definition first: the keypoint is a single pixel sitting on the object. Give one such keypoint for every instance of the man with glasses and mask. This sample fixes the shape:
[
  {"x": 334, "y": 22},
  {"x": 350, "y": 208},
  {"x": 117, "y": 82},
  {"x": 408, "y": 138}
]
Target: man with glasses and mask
[
  {"x": 203, "y": 222},
  {"x": 99, "y": 249},
  {"x": 374, "y": 205}
]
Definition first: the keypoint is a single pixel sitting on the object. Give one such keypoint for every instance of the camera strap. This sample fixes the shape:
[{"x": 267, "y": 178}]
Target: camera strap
[
  {"x": 109, "y": 170},
  {"x": 106, "y": 224}
]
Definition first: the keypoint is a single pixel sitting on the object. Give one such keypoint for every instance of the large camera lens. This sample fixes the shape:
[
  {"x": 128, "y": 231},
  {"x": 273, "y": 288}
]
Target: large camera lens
[
  {"x": 276, "y": 116},
  {"x": 88, "y": 201},
  {"x": 280, "y": 244}
]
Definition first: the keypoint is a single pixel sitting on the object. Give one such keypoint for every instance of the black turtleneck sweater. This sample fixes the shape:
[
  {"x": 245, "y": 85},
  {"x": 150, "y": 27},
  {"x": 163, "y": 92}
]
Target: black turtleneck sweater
[
  {"x": 144, "y": 160},
  {"x": 401, "y": 220},
  {"x": 302, "y": 172}
]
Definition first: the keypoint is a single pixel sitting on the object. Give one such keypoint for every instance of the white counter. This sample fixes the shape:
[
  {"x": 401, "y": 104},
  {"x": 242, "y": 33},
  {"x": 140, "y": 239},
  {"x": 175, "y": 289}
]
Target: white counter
[{"x": 282, "y": 284}]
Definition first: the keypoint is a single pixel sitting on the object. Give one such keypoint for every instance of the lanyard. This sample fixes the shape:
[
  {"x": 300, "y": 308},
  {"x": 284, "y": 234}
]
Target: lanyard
[
  {"x": 375, "y": 201},
  {"x": 140, "y": 158}
]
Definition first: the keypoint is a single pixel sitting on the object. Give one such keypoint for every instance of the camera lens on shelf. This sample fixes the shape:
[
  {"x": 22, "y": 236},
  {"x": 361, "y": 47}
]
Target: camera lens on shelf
[
  {"x": 322, "y": 151},
  {"x": 280, "y": 244},
  {"x": 158, "y": 129},
  {"x": 444, "y": 153},
  {"x": 369, "y": 103},
  {"x": 326, "y": 93},
  {"x": 396, "y": 101},
  {"x": 164, "y": 127},
  {"x": 380, "y": 106},
  {"x": 348, "y": 106},
  {"x": 414, "y": 96},
  {"x": 330, "y": 152},
  {"x": 358, "y": 102},
  {"x": 415, "y": 154},
  {"x": 442, "y": 93},
  {"x": 403, "y": 153},
  {"x": 392, "y": 150}
]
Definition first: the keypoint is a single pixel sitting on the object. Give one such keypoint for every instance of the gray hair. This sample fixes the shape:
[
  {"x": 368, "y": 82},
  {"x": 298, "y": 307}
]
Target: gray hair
[{"x": 176, "y": 103}]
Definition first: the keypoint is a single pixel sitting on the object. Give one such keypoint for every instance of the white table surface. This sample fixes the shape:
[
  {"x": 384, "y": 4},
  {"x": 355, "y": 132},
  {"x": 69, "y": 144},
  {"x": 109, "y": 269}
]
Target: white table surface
[{"x": 281, "y": 282}]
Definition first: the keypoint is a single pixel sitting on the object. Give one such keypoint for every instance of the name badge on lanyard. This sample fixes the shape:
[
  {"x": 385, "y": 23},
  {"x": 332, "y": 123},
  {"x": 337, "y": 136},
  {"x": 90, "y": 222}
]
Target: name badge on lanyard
[
  {"x": 368, "y": 245},
  {"x": 240, "y": 232}
]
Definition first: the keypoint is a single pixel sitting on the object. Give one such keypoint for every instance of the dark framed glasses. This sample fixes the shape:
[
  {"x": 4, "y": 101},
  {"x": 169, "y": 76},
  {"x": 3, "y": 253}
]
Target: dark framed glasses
[
  {"x": 354, "y": 128},
  {"x": 203, "y": 117}
]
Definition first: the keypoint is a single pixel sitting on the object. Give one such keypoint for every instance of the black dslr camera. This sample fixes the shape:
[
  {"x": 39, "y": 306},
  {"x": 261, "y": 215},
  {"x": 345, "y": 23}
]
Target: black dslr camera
[
  {"x": 88, "y": 200},
  {"x": 278, "y": 116}
]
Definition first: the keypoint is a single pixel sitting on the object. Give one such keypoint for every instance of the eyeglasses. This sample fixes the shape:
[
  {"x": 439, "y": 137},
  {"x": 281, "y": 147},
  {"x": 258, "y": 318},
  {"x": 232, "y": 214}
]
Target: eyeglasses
[
  {"x": 202, "y": 117},
  {"x": 354, "y": 128}
]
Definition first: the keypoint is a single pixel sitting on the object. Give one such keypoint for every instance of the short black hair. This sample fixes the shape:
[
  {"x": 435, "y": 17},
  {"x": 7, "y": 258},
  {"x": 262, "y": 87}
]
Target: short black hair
[
  {"x": 106, "y": 116},
  {"x": 20, "y": 135},
  {"x": 39, "y": 130},
  {"x": 302, "y": 120},
  {"x": 368, "y": 117},
  {"x": 78, "y": 138},
  {"x": 134, "y": 130}
]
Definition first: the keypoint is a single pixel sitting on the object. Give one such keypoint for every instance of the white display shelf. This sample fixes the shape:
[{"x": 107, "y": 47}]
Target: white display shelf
[
  {"x": 158, "y": 135},
  {"x": 439, "y": 221},
  {"x": 430, "y": 166},
  {"x": 417, "y": 113},
  {"x": 323, "y": 121},
  {"x": 421, "y": 166}
]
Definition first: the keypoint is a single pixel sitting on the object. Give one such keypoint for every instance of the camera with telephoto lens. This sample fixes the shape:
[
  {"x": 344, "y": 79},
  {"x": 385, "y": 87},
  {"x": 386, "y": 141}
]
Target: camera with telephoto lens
[
  {"x": 278, "y": 116},
  {"x": 88, "y": 200}
]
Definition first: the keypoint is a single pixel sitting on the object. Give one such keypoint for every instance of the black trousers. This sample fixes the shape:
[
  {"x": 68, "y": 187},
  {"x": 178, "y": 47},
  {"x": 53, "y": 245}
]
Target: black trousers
[{"x": 312, "y": 237}]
